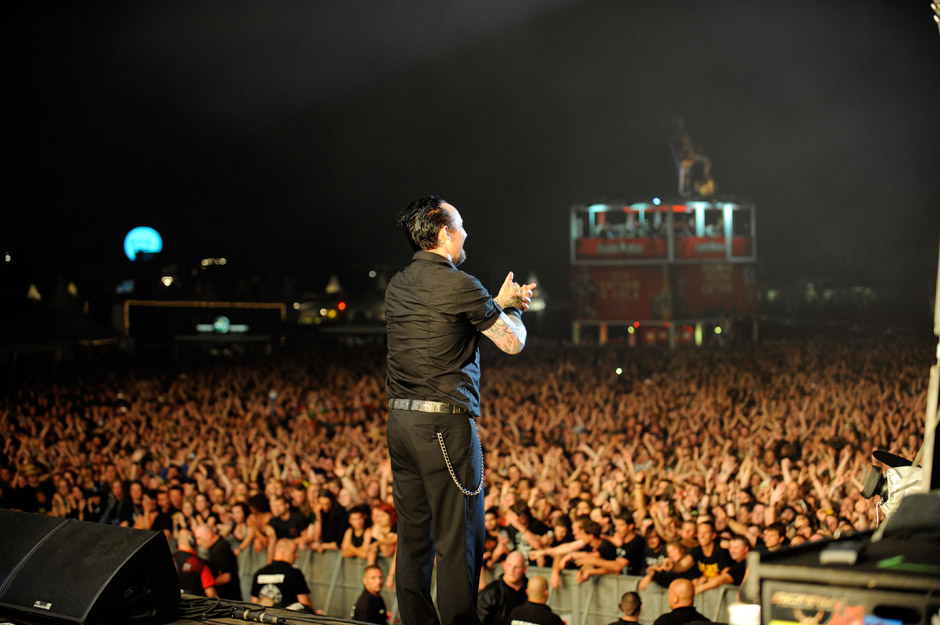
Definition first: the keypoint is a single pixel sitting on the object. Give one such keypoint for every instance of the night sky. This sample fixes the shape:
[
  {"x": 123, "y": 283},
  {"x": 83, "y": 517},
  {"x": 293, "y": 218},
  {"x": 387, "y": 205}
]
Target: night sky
[{"x": 286, "y": 135}]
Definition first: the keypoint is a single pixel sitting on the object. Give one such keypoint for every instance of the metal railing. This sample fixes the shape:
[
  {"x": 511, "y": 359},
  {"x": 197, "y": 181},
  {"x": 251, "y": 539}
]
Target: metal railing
[{"x": 336, "y": 583}]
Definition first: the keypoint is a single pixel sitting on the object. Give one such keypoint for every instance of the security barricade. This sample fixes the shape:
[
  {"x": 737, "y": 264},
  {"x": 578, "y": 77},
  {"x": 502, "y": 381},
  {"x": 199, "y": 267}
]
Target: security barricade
[{"x": 336, "y": 583}]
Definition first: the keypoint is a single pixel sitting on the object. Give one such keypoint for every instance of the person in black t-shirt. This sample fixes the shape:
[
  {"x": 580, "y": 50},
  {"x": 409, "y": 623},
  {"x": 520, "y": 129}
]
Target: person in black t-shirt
[
  {"x": 654, "y": 551},
  {"x": 738, "y": 548},
  {"x": 627, "y": 551},
  {"x": 525, "y": 532},
  {"x": 279, "y": 584},
  {"x": 679, "y": 564},
  {"x": 631, "y": 546},
  {"x": 195, "y": 575},
  {"x": 221, "y": 561},
  {"x": 709, "y": 557},
  {"x": 329, "y": 523},
  {"x": 596, "y": 556},
  {"x": 534, "y": 611},
  {"x": 370, "y": 607},
  {"x": 630, "y": 606},
  {"x": 680, "y": 596},
  {"x": 496, "y": 543},
  {"x": 285, "y": 522}
]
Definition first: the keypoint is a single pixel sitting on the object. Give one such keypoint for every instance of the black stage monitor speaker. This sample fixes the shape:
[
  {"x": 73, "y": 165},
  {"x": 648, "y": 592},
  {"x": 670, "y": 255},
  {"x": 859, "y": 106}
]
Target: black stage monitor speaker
[{"x": 66, "y": 571}]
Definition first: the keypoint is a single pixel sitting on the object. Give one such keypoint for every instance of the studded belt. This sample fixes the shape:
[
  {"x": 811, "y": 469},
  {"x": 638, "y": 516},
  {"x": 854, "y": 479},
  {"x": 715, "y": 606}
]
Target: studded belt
[{"x": 421, "y": 405}]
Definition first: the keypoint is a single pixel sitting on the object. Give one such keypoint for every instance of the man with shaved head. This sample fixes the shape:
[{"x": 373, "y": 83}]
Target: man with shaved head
[
  {"x": 680, "y": 597},
  {"x": 279, "y": 584},
  {"x": 534, "y": 611},
  {"x": 221, "y": 560},
  {"x": 499, "y": 598}
]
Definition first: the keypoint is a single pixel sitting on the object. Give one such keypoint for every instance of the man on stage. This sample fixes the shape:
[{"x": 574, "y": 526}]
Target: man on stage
[{"x": 435, "y": 315}]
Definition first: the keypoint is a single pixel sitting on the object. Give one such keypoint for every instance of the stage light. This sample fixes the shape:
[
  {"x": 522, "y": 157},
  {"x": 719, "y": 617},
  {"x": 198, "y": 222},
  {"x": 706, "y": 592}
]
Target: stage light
[
  {"x": 167, "y": 280},
  {"x": 657, "y": 201},
  {"x": 618, "y": 371},
  {"x": 222, "y": 324}
]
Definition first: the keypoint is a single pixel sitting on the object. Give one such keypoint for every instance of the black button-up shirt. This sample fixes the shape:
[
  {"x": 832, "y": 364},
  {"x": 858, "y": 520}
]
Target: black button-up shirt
[{"x": 434, "y": 315}]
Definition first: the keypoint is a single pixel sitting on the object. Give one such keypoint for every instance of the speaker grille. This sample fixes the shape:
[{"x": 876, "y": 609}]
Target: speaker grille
[{"x": 91, "y": 573}]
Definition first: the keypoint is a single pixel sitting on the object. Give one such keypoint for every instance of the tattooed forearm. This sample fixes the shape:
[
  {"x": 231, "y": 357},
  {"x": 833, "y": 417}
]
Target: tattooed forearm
[{"x": 508, "y": 333}]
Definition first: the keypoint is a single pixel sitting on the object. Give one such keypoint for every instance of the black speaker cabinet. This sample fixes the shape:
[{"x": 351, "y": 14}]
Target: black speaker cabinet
[{"x": 66, "y": 571}]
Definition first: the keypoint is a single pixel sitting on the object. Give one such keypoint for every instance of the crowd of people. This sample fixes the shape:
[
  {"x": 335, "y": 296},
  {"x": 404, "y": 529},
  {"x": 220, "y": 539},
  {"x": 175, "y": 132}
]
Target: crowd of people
[{"x": 605, "y": 460}]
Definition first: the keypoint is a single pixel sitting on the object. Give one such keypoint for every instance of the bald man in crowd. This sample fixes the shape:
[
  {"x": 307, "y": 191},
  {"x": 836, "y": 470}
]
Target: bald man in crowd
[
  {"x": 279, "y": 584},
  {"x": 499, "y": 597},
  {"x": 681, "y": 595},
  {"x": 195, "y": 575},
  {"x": 534, "y": 611},
  {"x": 221, "y": 560}
]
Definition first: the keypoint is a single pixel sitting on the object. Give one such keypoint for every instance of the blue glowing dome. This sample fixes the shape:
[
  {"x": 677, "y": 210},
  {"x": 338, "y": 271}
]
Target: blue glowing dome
[{"x": 142, "y": 239}]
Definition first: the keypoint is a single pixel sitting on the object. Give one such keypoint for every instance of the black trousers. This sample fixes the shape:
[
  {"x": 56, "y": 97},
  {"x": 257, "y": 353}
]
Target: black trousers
[{"x": 435, "y": 518}]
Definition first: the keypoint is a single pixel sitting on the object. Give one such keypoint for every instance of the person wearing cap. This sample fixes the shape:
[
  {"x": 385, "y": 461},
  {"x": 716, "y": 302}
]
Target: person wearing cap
[
  {"x": 435, "y": 316},
  {"x": 630, "y": 606}
]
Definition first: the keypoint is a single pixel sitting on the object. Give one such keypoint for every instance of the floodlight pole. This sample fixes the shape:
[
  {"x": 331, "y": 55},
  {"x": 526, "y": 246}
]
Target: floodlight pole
[{"x": 931, "y": 468}]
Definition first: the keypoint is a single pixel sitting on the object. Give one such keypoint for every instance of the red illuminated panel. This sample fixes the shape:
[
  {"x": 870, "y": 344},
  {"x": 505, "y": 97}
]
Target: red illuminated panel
[
  {"x": 603, "y": 248},
  {"x": 620, "y": 293},
  {"x": 711, "y": 247},
  {"x": 626, "y": 294},
  {"x": 714, "y": 289}
]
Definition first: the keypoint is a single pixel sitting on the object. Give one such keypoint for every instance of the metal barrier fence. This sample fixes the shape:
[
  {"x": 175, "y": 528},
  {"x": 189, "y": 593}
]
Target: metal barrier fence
[{"x": 336, "y": 583}]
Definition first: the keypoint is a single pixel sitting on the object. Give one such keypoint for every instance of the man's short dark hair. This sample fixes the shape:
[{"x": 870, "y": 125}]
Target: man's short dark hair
[
  {"x": 422, "y": 220},
  {"x": 259, "y": 502},
  {"x": 626, "y": 516},
  {"x": 521, "y": 508},
  {"x": 589, "y": 526},
  {"x": 630, "y": 603}
]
